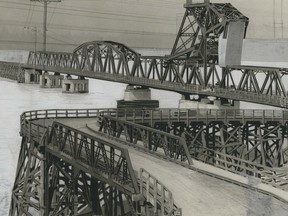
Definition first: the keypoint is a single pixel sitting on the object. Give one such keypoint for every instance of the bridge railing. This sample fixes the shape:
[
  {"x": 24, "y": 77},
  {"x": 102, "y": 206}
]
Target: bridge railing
[
  {"x": 60, "y": 113},
  {"x": 275, "y": 177},
  {"x": 152, "y": 140},
  {"x": 253, "y": 97},
  {"x": 153, "y": 115},
  {"x": 157, "y": 194},
  {"x": 191, "y": 115}
]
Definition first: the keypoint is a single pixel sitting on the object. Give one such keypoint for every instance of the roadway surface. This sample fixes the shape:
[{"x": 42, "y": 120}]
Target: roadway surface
[{"x": 196, "y": 193}]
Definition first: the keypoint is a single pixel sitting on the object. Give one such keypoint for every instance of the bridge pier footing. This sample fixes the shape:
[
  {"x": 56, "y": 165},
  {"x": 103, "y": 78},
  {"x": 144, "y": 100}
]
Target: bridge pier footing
[
  {"x": 70, "y": 85},
  {"x": 32, "y": 76},
  {"x": 206, "y": 103},
  {"x": 51, "y": 81},
  {"x": 137, "y": 97}
]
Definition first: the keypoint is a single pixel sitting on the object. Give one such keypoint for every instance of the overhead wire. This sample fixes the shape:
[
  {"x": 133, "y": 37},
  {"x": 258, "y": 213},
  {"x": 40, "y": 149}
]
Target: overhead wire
[
  {"x": 83, "y": 28},
  {"x": 88, "y": 16},
  {"x": 52, "y": 13},
  {"x": 31, "y": 15},
  {"x": 28, "y": 15},
  {"x": 113, "y": 13},
  {"x": 58, "y": 10}
]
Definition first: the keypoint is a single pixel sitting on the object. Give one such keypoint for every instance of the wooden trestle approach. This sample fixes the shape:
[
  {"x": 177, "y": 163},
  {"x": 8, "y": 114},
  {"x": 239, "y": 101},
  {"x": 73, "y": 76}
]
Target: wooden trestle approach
[{"x": 82, "y": 162}]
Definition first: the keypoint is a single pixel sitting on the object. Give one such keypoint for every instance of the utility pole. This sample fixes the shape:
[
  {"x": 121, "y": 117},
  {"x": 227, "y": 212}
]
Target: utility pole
[
  {"x": 33, "y": 29},
  {"x": 45, "y": 2}
]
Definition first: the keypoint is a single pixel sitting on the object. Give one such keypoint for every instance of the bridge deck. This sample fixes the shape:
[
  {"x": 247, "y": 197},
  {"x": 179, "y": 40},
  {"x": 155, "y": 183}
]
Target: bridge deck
[{"x": 195, "y": 193}]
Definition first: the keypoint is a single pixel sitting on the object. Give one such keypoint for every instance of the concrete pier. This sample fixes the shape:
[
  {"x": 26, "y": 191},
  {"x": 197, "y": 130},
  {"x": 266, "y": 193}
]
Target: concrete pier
[
  {"x": 31, "y": 76},
  {"x": 51, "y": 81},
  {"x": 70, "y": 85},
  {"x": 206, "y": 103},
  {"x": 137, "y": 93},
  {"x": 137, "y": 97}
]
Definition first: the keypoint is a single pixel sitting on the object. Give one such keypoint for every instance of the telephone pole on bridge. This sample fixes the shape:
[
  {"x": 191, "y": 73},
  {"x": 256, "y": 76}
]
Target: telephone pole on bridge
[{"x": 45, "y": 2}]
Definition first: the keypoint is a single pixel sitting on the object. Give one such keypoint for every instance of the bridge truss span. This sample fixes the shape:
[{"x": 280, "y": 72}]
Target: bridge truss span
[{"x": 102, "y": 60}]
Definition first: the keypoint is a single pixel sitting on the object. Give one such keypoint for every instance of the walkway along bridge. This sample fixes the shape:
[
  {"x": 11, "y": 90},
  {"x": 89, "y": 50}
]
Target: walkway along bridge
[{"x": 73, "y": 162}]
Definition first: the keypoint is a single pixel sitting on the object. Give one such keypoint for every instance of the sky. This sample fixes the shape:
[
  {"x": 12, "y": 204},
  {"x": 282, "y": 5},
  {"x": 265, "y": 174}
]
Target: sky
[{"x": 149, "y": 23}]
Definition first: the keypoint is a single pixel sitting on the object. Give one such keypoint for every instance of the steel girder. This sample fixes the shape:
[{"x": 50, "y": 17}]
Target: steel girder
[
  {"x": 103, "y": 60},
  {"x": 72, "y": 174},
  {"x": 253, "y": 141},
  {"x": 111, "y": 161},
  {"x": 147, "y": 138},
  {"x": 182, "y": 77},
  {"x": 262, "y": 81},
  {"x": 74, "y": 192},
  {"x": 201, "y": 27},
  {"x": 226, "y": 131},
  {"x": 199, "y": 32},
  {"x": 27, "y": 186}
]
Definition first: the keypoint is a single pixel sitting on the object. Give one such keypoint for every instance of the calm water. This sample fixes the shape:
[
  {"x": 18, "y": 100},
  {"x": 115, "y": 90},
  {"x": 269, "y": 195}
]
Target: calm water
[{"x": 16, "y": 98}]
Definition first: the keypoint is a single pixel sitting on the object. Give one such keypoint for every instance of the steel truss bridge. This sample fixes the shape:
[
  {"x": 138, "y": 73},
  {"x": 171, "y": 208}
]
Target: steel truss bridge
[{"x": 63, "y": 170}]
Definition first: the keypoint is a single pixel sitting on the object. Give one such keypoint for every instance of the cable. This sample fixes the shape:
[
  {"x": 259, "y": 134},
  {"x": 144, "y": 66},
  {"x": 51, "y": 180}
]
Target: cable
[
  {"x": 66, "y": 8},
  {"x": 52, "y": 14},
  {"x": 31, "y": 15},
  {"x": 87, "y": 16},
  {"x": 28, "y": 14},
  {"x": 61, "y": 35}
]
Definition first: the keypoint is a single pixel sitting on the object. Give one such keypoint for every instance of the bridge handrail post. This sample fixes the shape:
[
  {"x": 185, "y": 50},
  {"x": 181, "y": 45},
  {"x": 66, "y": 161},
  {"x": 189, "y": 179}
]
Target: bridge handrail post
[
  {"x": 151, "y": 118},
  {"x": 183, "y": 143},
  {"x": 187, "y": 117},
  {"x": 169, "y": 116},
  {"x": 30, "y": 131},
  {"x": 134, "y": 115}
]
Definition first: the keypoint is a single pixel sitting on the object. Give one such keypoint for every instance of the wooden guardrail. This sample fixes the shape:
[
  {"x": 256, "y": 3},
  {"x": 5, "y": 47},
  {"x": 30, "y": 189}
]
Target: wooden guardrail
[
  {"x": 205, "y": 115},
  {"x": 60, "y": 113},
  {"x": 150, "y": 139},
  {"x": 157, "y": 194},
  {"x": 275, "y": 177}
]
